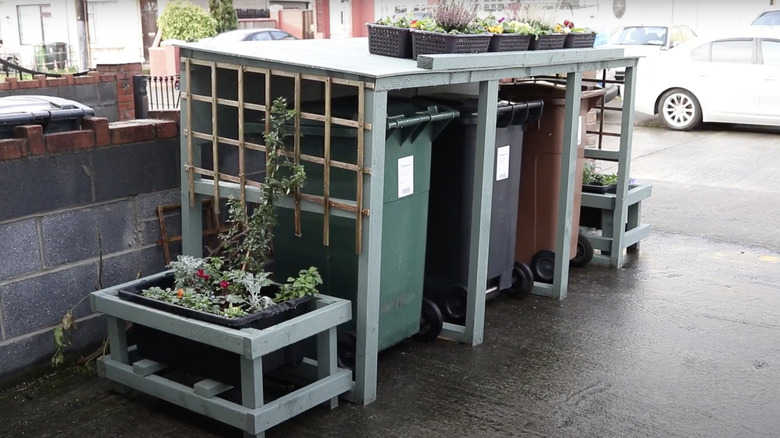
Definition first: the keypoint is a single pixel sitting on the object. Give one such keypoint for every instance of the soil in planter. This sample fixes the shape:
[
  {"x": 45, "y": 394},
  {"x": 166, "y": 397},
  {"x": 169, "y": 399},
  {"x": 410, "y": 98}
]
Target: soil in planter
[{"x": 194, "y": 357}]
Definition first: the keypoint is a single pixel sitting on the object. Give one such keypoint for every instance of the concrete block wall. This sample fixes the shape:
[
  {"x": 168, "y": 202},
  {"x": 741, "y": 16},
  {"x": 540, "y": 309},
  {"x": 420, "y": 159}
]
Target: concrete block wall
[
  {"x": 78, "y": 213},
  {"x": 108, "y": 90}
]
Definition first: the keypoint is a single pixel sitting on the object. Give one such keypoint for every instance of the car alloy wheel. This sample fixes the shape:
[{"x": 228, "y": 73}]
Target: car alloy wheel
[{"x": 680, "y": 110}]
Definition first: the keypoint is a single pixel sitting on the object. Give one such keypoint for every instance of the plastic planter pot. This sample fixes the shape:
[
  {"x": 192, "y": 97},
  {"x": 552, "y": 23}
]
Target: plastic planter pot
[{"x": 389, "y": 41}]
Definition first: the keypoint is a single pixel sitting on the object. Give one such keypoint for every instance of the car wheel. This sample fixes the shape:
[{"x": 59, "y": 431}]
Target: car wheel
[{"x": 679, "y": 110}]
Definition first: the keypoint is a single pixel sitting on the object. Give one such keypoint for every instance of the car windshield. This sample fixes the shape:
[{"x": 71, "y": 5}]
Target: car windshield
[
  {"x": 768, "y": 19},
  {"x": 640, "y": 35}
]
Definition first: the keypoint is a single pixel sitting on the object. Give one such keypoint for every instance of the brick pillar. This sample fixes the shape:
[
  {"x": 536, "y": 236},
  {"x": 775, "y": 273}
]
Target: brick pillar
[{"x": 124, "y": 86}]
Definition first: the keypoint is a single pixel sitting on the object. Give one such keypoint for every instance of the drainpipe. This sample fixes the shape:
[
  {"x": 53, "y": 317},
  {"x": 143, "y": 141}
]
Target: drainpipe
[{"x": 81, "y": 30}]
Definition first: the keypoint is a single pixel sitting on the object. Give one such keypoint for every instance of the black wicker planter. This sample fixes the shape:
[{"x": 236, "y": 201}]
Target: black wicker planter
[
  {"x": 389, "y": 41},
  {"x": 204, "y": 360},
  {"x": 509, "y": 42},
  {"x": 579, "y": 41},
  {"x": 547, "y": 42},
  {"x": 424, "y": 43},
  {"x": 593, "y": 188}
]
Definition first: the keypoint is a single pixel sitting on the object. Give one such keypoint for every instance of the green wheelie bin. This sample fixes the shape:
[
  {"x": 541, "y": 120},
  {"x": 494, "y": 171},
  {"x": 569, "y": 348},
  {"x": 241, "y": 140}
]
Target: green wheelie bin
[{"x": 411, "y": 128}]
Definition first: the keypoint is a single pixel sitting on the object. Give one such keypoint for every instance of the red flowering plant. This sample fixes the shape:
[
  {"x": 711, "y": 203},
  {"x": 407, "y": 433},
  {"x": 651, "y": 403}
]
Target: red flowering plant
[{"x": 232, "y": 280}]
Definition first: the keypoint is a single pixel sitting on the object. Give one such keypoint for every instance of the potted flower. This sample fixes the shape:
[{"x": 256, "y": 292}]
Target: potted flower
[
  {"x": 595, "y": 182},
  {"x": 231, "y": 286},
  {"x": 547, "y": 35},
  {"x": 453, "y": 28},
  {"x": 508, "y": 35},
  {"x": 391, "y": 37},
  {"x": 577, "y": 37}
]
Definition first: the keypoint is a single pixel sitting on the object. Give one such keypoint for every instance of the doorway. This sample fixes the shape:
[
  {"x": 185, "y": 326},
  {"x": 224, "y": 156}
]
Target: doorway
[
  {"x": 340, "y": 19},
  {"x": 148, "y": 24}
]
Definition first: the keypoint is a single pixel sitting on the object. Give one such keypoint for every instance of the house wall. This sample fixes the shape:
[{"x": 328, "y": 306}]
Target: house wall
[
  {"x": 77, "y": 213},
  {"x": 117, "y": 31}
]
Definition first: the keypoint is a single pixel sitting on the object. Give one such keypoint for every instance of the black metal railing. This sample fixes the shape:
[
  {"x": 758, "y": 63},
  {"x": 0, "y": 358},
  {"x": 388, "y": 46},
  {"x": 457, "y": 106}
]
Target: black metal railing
[
  {"x": 155, "y": 93},
  {"x": 252, "y": 13}
]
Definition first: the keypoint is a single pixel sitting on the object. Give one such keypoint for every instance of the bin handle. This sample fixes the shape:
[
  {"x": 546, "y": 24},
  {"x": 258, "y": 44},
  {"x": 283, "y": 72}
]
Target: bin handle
[
  {"x": 520, "y": 113},
  {"x": 504, "y": 114},
  {"x": 419, "y": 120}
]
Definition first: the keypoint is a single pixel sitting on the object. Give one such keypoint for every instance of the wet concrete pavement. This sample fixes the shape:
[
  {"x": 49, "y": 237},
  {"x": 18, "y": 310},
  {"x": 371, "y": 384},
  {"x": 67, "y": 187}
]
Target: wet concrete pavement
[{"x": 683, "y": 341}]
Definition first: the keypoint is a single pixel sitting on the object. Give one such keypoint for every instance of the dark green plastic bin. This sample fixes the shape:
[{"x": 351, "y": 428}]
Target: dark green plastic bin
[{"x": 411, "y": 129}]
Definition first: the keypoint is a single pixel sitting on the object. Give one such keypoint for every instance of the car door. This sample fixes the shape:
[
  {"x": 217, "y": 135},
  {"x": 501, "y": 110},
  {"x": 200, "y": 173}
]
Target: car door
[
  {"x": 770, "y": 90},
  {"x": 730, "y": 83}
]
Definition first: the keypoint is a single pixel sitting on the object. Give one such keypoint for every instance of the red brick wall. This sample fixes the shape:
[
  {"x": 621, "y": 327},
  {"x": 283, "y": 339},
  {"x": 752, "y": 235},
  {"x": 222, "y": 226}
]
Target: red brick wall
[
  {"x": 29, "y": 140},
  {"x": 122, "y": 74}
]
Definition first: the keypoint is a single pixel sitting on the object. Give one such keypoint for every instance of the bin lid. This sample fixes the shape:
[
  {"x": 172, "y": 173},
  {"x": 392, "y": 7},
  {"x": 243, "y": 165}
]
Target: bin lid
[
  {"x": 553, "y": 94},
  {"x": 41, "y": 106},
  {"x": 35, "y": 109},
  {"x": 509, "y": 112}
]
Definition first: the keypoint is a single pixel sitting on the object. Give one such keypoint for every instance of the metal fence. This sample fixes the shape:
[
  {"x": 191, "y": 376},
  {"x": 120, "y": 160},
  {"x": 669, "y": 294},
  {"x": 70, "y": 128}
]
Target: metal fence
[{"x": 154, "y": 93}]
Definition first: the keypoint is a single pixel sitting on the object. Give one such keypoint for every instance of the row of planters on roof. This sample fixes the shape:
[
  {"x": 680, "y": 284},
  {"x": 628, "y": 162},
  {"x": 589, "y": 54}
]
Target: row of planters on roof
[{"x": 454, "y": 27}]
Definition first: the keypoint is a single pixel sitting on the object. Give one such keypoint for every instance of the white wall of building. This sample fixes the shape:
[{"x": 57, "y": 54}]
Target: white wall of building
[{"x": 115, "y": 30}]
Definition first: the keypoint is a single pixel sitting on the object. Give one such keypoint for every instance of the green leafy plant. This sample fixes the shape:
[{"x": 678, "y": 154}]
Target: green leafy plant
[
  {"x": 225, "y": 15},
  {"x": 232, "y": 281},
  {"x": 502, "y": 25},
  {"x": 592, "y": 177},
  {"x": 541, "y": 20},
  {"x": 182, "y": 20}
]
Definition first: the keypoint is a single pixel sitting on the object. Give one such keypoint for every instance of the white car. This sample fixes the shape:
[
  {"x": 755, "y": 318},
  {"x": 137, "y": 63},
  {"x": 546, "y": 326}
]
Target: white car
[
  {"x": 646, "y": 40},
  {"x": 729, "y": 79}
]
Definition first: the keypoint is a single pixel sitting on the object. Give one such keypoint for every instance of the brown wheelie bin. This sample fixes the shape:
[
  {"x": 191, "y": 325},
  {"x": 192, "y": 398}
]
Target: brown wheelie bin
[{"x": 537, "y": 212}]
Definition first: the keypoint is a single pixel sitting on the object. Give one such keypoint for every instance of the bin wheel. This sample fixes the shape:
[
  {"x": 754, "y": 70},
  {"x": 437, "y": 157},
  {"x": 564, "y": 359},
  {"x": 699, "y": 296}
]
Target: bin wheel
[
  {"x": 454, "y": 303},
  {"x": 431, "y": 322},
  {"x": 346, "y": 346},
  {"x": 523, "y": 280},
  {"x": 584, "y": 252},
  {"x": 543, "y": 266}
]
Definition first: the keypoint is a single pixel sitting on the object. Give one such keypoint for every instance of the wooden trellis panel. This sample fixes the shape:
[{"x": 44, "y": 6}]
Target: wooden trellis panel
[{"x": 326, "y": 201}]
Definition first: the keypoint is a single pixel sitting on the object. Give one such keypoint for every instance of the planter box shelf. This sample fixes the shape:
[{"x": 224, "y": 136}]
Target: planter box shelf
[
  {"x": 597, "y": 212},
  {"x": 253, "y": 415}
]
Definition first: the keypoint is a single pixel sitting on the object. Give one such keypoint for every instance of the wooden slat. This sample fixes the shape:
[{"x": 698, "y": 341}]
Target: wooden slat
[
  {"x": 241, "y": 150},
  {"x": 326, "y": 167},
  {"x": 190, "y": 174},
  {"x": 297, "y": 152},
  {"x": 214, "y": 133},
  {"x": 210, "y": 388},
  {"x": 359, "y": 173}
]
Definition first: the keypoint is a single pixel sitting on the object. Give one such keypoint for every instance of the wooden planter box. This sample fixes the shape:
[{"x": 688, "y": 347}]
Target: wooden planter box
[
  {"x": 254, "y": 414},
  {"x": 597, "y": 211},
  {"x": 197, "y": 358}
]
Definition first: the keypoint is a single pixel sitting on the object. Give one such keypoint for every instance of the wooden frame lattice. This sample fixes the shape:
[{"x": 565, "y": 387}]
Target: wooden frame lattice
[{"x": 241, "y": 104}]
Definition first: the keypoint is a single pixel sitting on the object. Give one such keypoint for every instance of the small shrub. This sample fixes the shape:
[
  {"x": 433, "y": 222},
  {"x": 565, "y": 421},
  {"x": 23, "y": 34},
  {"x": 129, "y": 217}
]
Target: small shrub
[
  {"x": 225, "y": 14},
  {"x": 182, "y": 20}
]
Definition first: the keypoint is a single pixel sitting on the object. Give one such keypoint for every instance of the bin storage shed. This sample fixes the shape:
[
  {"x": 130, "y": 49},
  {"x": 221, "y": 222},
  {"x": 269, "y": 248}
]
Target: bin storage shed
[{"x": 227, "y": 90}]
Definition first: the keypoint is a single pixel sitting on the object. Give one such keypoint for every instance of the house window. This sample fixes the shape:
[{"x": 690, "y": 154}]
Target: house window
[{"x": 34, "y": 23}]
